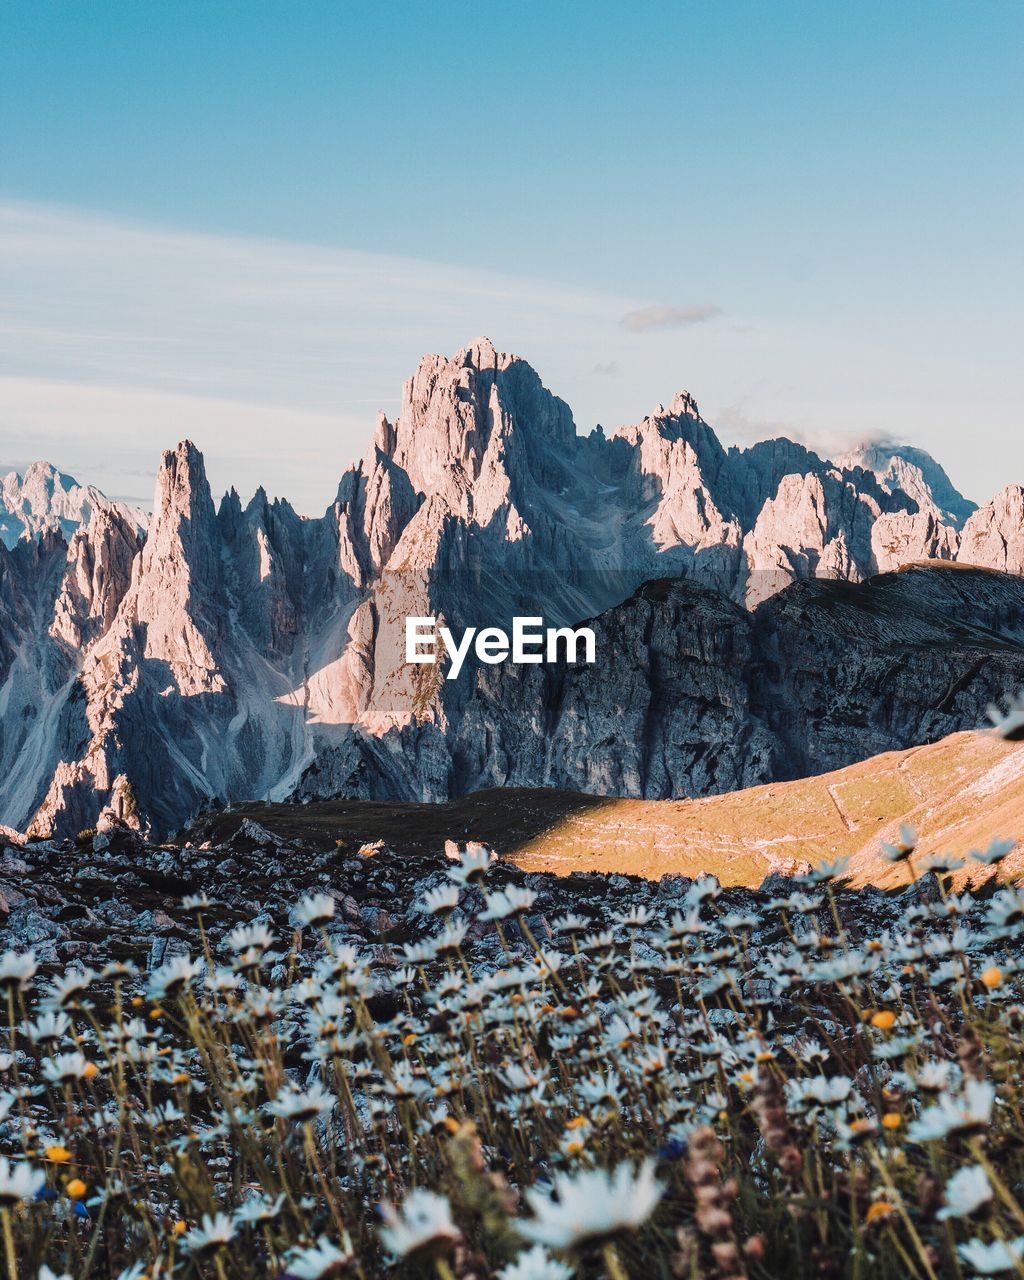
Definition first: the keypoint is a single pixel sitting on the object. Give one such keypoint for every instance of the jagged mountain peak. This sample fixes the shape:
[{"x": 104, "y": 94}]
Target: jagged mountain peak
[
  {"x": 43, "y": 498},
  {"x": 676, "y": 419},
  {"x": 683, "y": 405},
  {"x": 475, "y": 417},
  {"x": 916, "y": 472},
  {"x": 260, "y": 502},
  {"x": 183, "y": 539},
  {"x": 182, "y": 494},
  {"x": 384, "y": 436},
  {"x": 43, "y": 472},
  {"x": 482, "y": 353},
  {"x": 993, "y": 535},
  {"x": 182, "y": 468}
]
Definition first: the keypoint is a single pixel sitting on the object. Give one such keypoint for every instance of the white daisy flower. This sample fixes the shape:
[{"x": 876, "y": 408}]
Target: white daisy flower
[
  {"x": 904, "y": 846},
  {"x": 592, "y": 1205},
  {"x": 473, "y": 862},
  {"x": 18, "y": 1181},
  {"x": 424, "y": 1223},
  {"x": 1011, "y": 724},
  {"x": 247, "y": 937},
  {"x": 536, "y": 1264},
  {"x": 968, "y": 1113},
  {"x": 65, "y": 990},
  {"x": 445, "y": 898},
  {"x": 172, "y": 977},
  {"x": 314, "y": 909},
  {"x": 301, "y": 1105},
  {"x": 996, "y": 852},
  {"x": 967, "y": 1190},
  {"x": 48, "y": 1026},
  {"x": 319, "y": 1259},
  {"x": 508, "y": 902},
  {"x": 992, "y": 1259},
  {"x": 214, "y": 1232},
  {"x": 65, "y": 1067},
  {"x": 17, "y": 969}
]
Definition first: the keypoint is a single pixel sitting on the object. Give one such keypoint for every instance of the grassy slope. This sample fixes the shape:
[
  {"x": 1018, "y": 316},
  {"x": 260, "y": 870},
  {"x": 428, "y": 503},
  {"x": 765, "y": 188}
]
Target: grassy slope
[{"x": 958, "y": 793}]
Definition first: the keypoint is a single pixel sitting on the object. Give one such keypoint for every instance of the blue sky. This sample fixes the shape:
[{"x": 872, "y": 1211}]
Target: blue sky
[{"x": 815, "y": 209}]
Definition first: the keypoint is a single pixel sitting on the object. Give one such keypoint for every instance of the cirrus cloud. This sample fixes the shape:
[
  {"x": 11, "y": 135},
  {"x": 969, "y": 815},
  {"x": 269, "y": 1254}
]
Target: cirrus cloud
[{"x": 668, "y": 317}]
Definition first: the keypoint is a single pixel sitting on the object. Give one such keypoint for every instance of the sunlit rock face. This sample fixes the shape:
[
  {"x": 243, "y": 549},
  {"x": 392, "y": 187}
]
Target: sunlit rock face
[
  {"x": 221, "y": 652},
  {"x": 994, "y": 535}
]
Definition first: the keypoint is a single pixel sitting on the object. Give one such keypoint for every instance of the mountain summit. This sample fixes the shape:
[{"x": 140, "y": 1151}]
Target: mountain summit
[
  {"x": 917, "y": 474},
  {"x": 44, "y": 498}
]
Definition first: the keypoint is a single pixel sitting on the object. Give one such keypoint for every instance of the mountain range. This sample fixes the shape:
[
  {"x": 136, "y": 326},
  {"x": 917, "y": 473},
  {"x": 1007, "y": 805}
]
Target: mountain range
[{"x": 751, "y": 622}]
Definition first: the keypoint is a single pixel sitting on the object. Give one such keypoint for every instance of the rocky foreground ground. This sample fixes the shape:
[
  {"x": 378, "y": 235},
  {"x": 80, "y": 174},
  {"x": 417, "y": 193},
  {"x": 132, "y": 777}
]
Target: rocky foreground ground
[
  {"x": 253, "y": 1055},
  {"x": 113, "y": 896}
]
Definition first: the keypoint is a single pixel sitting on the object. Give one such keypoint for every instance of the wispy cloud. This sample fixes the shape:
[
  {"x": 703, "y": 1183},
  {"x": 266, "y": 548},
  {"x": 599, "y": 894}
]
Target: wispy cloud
[
  {"x": 254, "y": 346},
  {"x": 736, "y": 425},
  {"x": 114, "y": 435},
  {"x": 665, "y": 317},
  {"x": 117, "y": 339}
]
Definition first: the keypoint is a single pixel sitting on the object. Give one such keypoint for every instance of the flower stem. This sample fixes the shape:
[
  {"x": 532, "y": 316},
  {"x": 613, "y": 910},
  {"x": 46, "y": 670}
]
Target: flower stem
[
  {"x": 614, "y": 1263},
  {"x": 12, "y": 1260}
]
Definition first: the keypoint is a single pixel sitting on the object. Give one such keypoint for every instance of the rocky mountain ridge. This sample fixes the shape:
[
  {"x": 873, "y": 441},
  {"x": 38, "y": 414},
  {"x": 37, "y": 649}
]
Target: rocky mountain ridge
[
  {"x": 711, "y": 698},
  {"x": 45, "y": 499},
  {"x": 245, "y": 652}
]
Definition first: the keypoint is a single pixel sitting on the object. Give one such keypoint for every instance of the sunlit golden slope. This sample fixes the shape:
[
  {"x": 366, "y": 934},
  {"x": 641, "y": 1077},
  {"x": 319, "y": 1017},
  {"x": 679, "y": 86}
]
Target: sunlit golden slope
[{"x": 958, "y": 793}]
